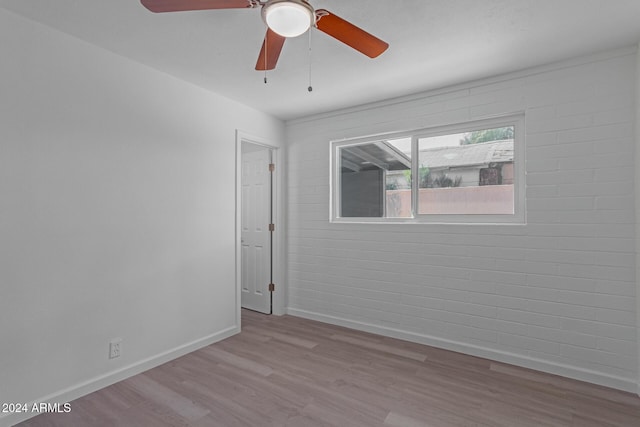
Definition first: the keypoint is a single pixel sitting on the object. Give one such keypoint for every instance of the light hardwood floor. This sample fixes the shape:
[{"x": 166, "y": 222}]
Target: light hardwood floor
[{"x": 287, "y": 371}]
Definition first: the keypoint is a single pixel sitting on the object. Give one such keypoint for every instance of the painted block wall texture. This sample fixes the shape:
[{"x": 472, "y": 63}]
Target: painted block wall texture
[{"x": 556, "y": 293}]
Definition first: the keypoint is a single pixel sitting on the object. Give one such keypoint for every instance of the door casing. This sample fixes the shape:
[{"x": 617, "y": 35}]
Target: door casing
[{"x": 278, "y": 253}]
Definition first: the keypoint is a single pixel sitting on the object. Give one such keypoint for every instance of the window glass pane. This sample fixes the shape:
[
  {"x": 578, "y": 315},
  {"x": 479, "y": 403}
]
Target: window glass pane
[
  {"x": 375, "y": 179},
  {"x": 467, "y": 173}
]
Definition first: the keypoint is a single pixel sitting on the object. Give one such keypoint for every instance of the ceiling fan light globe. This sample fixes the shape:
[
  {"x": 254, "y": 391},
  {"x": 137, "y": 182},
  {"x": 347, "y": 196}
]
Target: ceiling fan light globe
[{"x": 288, "y": 18}]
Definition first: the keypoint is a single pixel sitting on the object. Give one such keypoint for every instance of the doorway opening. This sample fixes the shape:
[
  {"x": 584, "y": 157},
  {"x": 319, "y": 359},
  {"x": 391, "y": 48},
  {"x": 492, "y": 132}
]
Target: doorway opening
[{"x": 257, "y": 227}]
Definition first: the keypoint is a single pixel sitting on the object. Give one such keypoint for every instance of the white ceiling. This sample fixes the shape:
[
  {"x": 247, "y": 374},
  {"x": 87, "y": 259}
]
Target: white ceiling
[{"x": 433, "y": 43}]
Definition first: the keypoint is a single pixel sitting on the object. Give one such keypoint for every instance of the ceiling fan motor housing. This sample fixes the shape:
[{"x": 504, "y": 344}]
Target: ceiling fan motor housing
[{"x": 288, "y": 18}]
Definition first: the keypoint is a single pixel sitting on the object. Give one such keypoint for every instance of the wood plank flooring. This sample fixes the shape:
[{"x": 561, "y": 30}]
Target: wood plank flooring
[{"x": 287, "y": 371}]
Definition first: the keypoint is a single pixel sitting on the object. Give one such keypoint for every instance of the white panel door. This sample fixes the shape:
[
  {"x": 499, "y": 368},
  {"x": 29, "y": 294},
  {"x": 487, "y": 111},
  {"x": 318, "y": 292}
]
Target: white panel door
[{"x": 255, "y": 238}]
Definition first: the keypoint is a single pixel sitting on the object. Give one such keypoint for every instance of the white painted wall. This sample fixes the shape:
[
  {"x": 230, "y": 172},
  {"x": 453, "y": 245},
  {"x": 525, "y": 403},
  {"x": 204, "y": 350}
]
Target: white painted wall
[
  {"x": 117, "y": 214},
  {"x": 556, "y": 294}
]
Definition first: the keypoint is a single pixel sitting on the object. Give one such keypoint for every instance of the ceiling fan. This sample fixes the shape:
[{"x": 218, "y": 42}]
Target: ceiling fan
[{"x": 284, "y": 18}]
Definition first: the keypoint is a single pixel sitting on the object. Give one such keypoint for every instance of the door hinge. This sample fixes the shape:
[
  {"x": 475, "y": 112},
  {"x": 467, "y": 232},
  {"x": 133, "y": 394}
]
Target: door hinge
[
  {"x": 272, "y": 167},
  {"x": 272, "y": 227},
  {"x": 272, "y": 287}
]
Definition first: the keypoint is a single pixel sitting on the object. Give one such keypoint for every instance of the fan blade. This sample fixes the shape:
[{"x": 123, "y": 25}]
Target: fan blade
[
  {"x": 270, "y": 52},
  {"x": 349, "y": 34},
  {"x": 183, "y": 5}
]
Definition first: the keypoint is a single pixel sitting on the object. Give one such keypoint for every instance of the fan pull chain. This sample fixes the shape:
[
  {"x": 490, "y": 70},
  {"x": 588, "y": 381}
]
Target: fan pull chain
[
  {"x": 310, "y": 88},
  {"x": 266, "y": 46}
]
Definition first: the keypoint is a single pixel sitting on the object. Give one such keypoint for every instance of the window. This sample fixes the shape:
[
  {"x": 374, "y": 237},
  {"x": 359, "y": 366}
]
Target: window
[
  {"x": 472, "y": 172},
  {"x": 373, "y": 178}
]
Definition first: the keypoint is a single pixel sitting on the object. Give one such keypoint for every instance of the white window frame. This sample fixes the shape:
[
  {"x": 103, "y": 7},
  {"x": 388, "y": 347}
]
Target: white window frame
[{"x": 519, "y": 215}]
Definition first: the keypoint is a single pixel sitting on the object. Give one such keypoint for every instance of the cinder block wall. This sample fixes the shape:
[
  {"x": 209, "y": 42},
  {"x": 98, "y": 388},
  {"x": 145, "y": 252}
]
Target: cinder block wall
[{"x": 556, "y": 294}]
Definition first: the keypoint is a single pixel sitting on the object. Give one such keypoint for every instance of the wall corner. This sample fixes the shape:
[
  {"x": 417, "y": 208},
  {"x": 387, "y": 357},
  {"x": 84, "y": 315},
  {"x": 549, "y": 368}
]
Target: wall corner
[{"x": 637, "y": 215}]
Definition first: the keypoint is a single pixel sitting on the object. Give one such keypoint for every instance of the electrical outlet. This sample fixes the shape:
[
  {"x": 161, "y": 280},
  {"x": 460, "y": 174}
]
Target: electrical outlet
[{"x": 115, "y": 348}]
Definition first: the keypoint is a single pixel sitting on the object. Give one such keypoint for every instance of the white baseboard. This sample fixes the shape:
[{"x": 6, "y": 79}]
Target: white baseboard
[
  {"x": 102, "y": 381},
  {"x": 568, "y": 371}
]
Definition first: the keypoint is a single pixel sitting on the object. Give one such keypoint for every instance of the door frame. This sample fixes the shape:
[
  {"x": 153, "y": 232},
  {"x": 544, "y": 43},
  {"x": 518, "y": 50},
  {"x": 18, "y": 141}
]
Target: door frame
[{"x": 278, "y": 306}]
